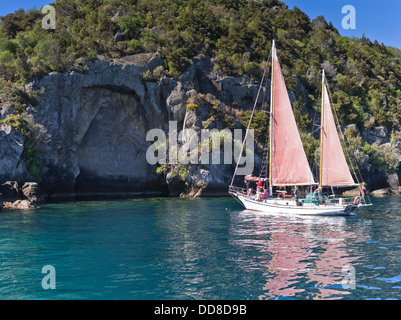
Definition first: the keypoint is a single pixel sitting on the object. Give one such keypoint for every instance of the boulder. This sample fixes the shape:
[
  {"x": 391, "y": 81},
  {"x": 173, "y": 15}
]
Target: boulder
[
  {"x": 242, "y": 91},
  {"x": 393, "y": 182},
  {"x": 380, "y": 192},
  {"x": 19, "y": 204},
  {"x": 31, "y": 191},
  {"x": 198, "y": 181},
  {"x": 352, "y": 193},
  {"x": 120, "y": 36},
  {"x": 22, "y": 204},
  {"x": 376, "y": 134},
  {"x": 175, "y": 185}
]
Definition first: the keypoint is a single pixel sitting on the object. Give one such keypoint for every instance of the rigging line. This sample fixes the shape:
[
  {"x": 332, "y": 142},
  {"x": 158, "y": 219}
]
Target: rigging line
[
  {"x": 264, "y": 95},
  {"x": 265, "y": 146},
  {"x": 249, "y": 124},
  {"x": 316, "y": 167},
  {"x": 265, "y": 91}
]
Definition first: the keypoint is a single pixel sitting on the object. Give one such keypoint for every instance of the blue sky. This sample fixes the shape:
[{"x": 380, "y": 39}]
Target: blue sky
[
  {"x": 9, "y": 6},
  {"x": 378, "y": 20}
]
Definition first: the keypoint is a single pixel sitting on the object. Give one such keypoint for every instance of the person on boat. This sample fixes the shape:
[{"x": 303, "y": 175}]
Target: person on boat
[
  {"x": 249, "y": 181},
  {"x": 296, "y": 195},
  {"x": 259, "y": 186},
  {"x": 250, "y": 177},
  {"x": 248, "y": 187},
  {"x": 363, "y": 189},
  {"x": 319, "y": 195},
  {"x": 265, "y": 194}
]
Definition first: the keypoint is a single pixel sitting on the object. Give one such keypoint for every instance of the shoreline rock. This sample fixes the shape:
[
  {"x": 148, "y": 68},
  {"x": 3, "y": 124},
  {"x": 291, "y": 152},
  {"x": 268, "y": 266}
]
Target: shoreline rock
[
  {"x": 380, "y": 192},
  {"x": 14, "y": 197},
  {"x": 19, "y": 204},
  {"x": 31, "y": 191}
]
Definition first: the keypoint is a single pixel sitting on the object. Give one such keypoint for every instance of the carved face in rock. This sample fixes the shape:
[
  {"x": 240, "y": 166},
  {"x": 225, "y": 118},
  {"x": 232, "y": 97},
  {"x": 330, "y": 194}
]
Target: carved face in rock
[{"x": 115, "y": 144}]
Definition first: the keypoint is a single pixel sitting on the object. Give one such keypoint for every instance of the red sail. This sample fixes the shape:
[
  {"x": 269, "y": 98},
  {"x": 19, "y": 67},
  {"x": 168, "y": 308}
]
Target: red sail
[
  {"x": 335, "y": 170},
  {"x": 288, "y": 159}
]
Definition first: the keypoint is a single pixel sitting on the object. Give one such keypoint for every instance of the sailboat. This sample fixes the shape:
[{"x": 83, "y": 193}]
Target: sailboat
[{"x": 287, "y": 164}]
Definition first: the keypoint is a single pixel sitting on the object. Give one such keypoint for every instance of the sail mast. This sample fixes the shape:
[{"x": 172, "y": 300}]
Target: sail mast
[
  {"x": 271, "y": 117},
  {"x": 321, "y": 134}
]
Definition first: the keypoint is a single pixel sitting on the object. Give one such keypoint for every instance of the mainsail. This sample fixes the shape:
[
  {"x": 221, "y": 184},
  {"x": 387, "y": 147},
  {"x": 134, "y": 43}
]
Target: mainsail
[
  {"x": 288, "y": 162},
  {"x": 334, "y": 170}
]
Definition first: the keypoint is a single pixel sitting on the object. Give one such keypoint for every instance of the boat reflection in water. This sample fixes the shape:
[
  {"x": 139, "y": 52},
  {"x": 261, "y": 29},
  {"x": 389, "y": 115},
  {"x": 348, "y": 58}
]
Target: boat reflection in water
[{"x": 299, "y": 257}]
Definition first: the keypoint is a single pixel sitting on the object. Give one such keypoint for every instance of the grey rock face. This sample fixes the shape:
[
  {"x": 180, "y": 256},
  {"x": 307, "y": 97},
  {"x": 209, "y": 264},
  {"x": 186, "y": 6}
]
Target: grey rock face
[
  {"x": 393, "y": 182},
  {"x": 11, "y": 148},
  {"x": 94, "y": 125},
  {"x": 10, "y": 191},
  {"x": 31, "y": 191},
  {"x": 376, "y": 134}
]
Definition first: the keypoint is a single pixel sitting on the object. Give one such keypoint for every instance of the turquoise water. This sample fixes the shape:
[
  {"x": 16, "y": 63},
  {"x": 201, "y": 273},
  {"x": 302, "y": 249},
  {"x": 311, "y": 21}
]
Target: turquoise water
[{"x": 198, "y": 249}]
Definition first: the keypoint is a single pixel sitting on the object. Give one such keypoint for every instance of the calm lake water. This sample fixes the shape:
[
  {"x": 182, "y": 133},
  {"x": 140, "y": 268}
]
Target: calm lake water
[{"x": 198, "y": 249}]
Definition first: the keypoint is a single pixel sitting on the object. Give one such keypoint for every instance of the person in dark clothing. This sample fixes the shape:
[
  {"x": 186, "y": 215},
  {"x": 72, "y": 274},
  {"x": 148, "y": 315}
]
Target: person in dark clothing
[
  {"x": 319, "y": 195},
  {"x": 249, "y": 182},
  {"x": 248, "y": 186},
  {"x": 296, "y": 196}
]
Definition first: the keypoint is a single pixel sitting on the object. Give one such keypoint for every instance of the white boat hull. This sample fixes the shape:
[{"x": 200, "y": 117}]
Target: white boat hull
[{"x": 289, "y": 207}]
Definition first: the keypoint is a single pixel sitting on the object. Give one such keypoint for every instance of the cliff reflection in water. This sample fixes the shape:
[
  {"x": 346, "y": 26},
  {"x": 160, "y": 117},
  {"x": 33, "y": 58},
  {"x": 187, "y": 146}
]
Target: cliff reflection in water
[{"x": 300, "y": 257}]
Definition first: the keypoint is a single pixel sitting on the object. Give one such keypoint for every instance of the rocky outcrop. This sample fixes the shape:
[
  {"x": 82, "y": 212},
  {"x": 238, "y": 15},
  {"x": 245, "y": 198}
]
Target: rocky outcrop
[
  {"x": 393, "y": 182},
  {"x": 14, "y": 197},
  {"x": 11, "y": 148},
  {"x": 380, "y": 192},
  {"x": 376, "y": 135},
  {"x": 352, "y": 193},
  {"x": 31, "y": 191},
  {"x": 19, "y": 204}
]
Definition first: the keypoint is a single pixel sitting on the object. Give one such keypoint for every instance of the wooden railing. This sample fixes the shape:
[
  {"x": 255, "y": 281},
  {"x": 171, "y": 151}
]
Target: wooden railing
[{"x": 234, "y": 189}]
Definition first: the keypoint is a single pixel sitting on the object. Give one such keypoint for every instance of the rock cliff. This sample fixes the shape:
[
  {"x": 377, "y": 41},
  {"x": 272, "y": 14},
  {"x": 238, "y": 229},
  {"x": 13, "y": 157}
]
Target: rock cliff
[{"x": 94, "y": 125}]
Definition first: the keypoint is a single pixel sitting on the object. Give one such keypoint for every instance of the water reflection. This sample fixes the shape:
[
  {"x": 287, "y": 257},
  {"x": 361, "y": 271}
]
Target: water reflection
[
  {"x": 180, "y": 253},
  {"x": 300, "y": 257}
]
